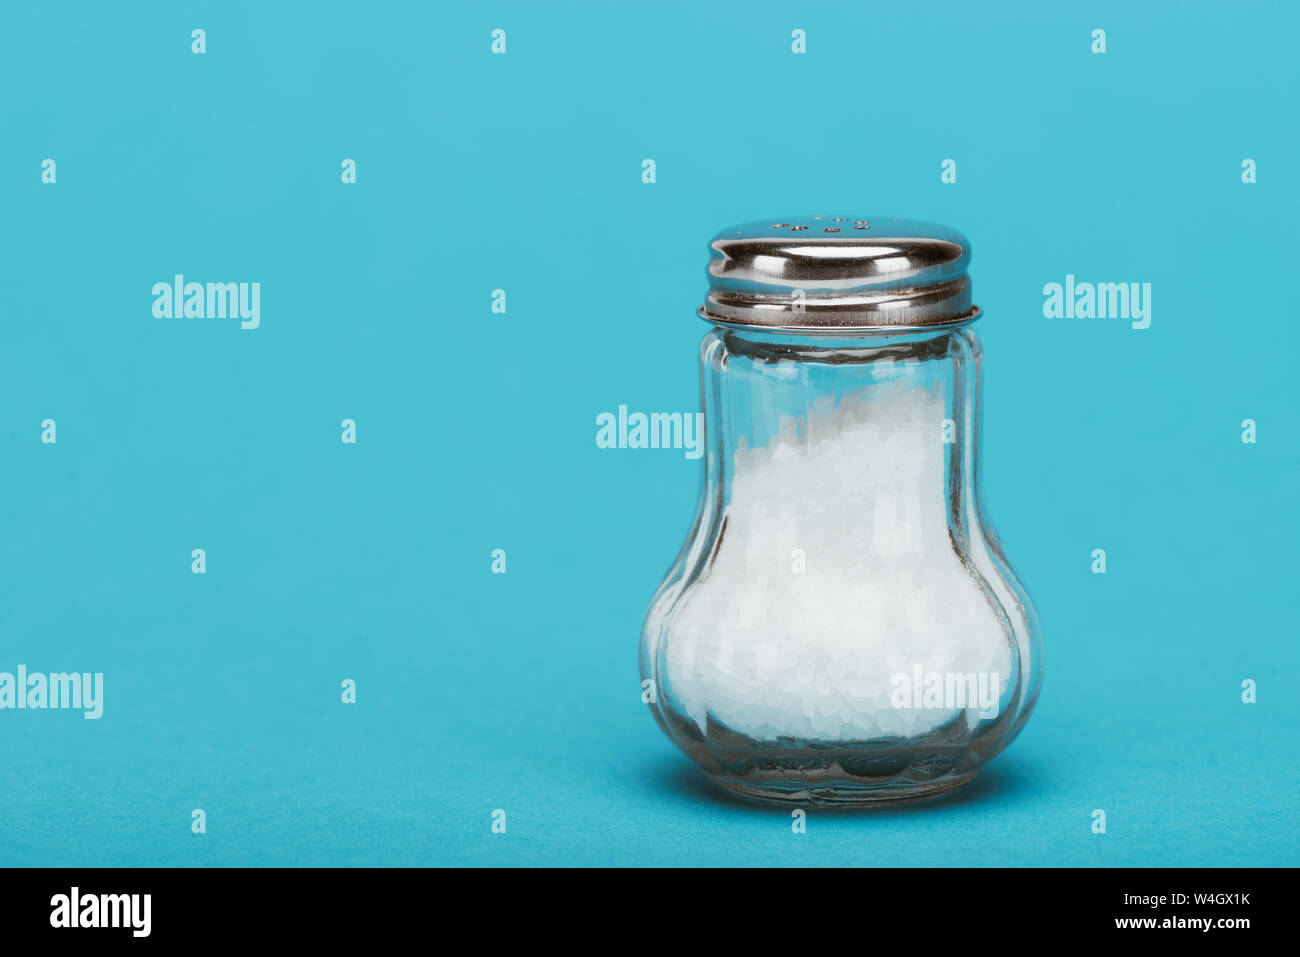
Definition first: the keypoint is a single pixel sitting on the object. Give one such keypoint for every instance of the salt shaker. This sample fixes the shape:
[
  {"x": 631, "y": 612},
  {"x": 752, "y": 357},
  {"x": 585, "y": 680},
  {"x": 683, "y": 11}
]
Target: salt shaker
[{"x": 841, "y": 627}]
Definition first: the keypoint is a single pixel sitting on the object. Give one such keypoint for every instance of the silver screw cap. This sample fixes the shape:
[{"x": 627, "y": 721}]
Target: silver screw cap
[{"x": 839, "y": 274}]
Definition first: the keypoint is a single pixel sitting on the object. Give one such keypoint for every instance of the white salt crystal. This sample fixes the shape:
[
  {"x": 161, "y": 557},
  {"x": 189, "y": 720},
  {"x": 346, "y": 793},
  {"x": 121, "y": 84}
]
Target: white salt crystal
[{"x": 859, "y": 486}]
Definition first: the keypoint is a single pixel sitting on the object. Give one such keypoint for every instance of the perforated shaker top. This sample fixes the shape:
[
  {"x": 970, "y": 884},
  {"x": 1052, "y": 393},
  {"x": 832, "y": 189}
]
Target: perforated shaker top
[{"x": 839, "y": 274}]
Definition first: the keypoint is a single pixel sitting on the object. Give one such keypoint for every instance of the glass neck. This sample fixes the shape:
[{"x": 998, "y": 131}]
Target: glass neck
[{"x": 827, "y": 418}]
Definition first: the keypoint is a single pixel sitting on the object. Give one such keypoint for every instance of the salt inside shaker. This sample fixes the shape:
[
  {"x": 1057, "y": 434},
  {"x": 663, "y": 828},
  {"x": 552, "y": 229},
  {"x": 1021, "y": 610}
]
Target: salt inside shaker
[{"x": 841, "y": 627}]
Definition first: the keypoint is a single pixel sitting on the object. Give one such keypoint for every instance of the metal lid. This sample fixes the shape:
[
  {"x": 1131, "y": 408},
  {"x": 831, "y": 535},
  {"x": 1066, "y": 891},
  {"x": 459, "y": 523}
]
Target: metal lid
[{"x": 839, "y": 273}]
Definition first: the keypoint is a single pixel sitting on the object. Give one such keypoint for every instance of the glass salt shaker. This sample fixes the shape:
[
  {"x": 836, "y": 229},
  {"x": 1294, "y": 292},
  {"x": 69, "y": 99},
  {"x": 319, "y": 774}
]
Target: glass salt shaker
[{"x": 841, "y": 627}]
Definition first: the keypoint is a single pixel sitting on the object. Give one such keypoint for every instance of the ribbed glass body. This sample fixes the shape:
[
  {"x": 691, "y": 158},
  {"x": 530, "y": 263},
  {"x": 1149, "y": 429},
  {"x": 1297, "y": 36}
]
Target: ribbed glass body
[{"x": 841, "y": 626}]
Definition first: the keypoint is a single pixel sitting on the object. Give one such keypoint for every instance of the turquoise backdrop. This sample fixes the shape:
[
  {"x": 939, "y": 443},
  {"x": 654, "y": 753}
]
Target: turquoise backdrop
[{"x": 479, "y": 171}]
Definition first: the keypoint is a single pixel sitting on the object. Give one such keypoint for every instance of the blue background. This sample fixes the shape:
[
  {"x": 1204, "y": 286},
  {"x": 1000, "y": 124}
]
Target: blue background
[{"x": 476, "y": 431}]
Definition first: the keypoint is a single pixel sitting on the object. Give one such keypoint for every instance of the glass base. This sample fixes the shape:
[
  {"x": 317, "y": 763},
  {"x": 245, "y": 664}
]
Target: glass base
[{"x": 844, "y": 794}]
